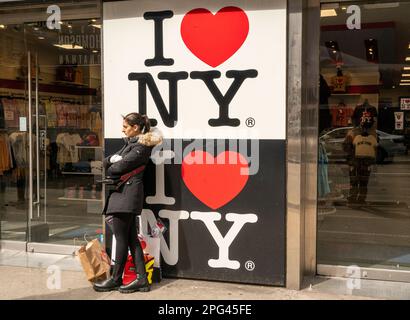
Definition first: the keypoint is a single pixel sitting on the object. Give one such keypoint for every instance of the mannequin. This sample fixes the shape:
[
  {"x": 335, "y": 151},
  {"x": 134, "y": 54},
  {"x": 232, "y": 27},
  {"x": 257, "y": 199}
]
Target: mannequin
[
  {"x": 365, "y": 113},
  {"x": 340, "y": 82}
]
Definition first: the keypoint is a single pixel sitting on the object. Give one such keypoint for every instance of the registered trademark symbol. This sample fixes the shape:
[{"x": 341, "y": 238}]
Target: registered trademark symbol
[
  {"x": 250, "y": 122},
  {"x": 249, "y": 265}
]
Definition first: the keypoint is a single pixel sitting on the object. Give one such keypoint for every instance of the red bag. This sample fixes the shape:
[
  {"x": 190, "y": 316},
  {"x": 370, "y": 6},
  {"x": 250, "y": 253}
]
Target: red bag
[{"x": 129, "y": 270}]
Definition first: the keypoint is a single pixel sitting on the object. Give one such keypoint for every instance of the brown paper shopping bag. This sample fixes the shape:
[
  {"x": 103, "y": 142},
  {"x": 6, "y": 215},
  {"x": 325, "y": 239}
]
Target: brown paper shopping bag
[{"x": 94, "y": 261}]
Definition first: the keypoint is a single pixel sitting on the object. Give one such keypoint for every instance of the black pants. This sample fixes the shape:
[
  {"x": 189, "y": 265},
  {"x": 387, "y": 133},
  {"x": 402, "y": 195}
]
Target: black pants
[
  {"x": 359, "y": 179},
  {"x": 124, "y": 228}
]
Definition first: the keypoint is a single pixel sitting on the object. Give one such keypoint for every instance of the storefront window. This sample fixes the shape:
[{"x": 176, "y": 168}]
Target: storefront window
[
  {"x": 364, "y": 165},
  {"x": 50, "y": 127}
]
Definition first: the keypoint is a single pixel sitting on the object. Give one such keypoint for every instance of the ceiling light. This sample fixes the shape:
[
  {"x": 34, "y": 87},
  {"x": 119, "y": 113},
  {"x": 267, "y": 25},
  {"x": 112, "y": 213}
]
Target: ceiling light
[
  {"x": 96, "y": 26},
  {"x": 41, "y": 38},
  {"x": 2, "y": 26},
  {"x": 95, "y": 51},
  {"x": 69, "y": 46},
  {"x": 328, "y": 13},
  {"x": 406, "y": 68},
  {"x": 409, "y": 45},
  {"x": 405, "y": 80},
  {"x": 60, "y": 22},
  {"x": 405, "y": 84},
  {"x": 407, "y": 58},
  {"x": 93, "y": 20},
  {"x": 344, "y": 8},
  {"x": 405, "y": 75}
]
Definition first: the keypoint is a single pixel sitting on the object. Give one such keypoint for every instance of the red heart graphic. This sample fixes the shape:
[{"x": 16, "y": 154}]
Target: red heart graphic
[
  {"x": 215, "y": 181},
  {"x": 214, "y": 38}
]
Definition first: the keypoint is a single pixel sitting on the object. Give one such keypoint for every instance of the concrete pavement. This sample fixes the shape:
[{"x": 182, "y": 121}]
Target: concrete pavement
[
  {"x": 36, "y": 284},
  {"x": 38, "y": 276}
]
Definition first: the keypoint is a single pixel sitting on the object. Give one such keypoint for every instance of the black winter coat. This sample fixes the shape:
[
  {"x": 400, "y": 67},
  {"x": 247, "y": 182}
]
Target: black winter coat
[{"x": 129, "y": 198}]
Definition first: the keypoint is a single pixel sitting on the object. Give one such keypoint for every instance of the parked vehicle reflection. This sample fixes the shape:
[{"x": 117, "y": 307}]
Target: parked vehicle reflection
[{"x": 390, "y": 145}]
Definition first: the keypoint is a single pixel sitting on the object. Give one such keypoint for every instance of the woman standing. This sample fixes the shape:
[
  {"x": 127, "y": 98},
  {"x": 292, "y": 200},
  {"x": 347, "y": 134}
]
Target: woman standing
[{"x": 125, "y": 203}]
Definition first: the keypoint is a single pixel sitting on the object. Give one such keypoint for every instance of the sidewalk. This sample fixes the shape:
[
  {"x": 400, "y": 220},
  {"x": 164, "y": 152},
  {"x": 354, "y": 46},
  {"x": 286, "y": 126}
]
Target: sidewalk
[{"x": 24, "y": 276}]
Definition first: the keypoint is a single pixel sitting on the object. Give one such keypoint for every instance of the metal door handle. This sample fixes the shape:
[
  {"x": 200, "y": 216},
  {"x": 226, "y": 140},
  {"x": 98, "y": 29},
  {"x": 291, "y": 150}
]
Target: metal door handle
[
  {"x": 30, "y": 139},
  {"x": 37, "y": 142}
]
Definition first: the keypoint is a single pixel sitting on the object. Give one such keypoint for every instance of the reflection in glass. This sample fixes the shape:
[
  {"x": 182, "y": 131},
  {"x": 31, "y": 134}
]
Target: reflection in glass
[{"x": 364, "y": 125}]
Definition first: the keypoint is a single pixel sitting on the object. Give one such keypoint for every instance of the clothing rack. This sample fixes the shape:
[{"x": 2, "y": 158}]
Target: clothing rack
[
  {"x": 53, "y": 98},
  {"x": 13, "y": 96},
  {"x": 42, "y": 96},
  {"x": 50, "y": 98},
  {"x": 70, "y": 129}
]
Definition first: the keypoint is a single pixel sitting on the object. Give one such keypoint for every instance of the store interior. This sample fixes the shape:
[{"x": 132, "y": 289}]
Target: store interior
[
  {"x": 66, "y": 125},
  {"x": 364, "y": 194}
]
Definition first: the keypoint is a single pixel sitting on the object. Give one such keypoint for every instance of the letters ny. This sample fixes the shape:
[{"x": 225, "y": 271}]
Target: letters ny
[{"x": 169, "y": 115}]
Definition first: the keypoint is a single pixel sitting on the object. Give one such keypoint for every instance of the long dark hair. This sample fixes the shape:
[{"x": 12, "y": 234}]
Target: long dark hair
[{"x": 140, "y": 120}]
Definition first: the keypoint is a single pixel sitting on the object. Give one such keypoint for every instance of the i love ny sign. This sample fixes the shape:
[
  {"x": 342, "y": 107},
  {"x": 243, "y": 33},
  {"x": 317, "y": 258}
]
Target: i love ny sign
[
  {"x": 212, "y": 71},
  {"x": 200, "y": 69}
]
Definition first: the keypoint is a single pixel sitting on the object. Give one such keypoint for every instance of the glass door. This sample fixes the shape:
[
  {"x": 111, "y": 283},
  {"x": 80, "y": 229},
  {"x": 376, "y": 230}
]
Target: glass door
[
  {"x": 50, "y": 125},
  {"x": 14, "y": 133},
  {"x": 364, "y": 161}
]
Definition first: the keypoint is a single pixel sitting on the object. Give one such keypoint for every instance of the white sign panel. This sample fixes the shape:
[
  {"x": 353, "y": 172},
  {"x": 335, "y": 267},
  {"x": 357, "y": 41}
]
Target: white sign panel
[
  {"x": 405, "y": 103},
  {"x": 201, "y": 69},
  {"x": 399, "y": 120},
  {"x": 23, "y": 123}
]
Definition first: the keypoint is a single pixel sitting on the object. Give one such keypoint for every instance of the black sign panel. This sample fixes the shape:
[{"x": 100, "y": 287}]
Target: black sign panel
[{"x": 242, "y": 240}]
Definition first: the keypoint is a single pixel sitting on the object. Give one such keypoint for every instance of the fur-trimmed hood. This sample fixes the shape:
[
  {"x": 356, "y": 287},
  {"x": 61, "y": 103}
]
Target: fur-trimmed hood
[{"x": 151, "y": 138}]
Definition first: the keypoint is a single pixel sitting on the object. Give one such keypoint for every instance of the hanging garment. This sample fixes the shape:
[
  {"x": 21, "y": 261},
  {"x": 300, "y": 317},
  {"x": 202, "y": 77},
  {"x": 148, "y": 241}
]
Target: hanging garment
[
  {"x": 72, "y": 141},
  {"x": 6, "y": 161},
  {"x": 61, "y": 114},
  {"x": 63, "y": 155},
  {"x": 84, "y": 116},
  {"x": 67, "y": 150},
  {"x": 20, "y": 147},
  {"x": 2, "y": 120},
  {"x": 72, "y": 115}
]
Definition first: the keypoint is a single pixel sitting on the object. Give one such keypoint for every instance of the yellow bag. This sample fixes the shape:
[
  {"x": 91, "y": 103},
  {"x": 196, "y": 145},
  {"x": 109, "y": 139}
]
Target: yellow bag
[{"x": 94, "y": 261}]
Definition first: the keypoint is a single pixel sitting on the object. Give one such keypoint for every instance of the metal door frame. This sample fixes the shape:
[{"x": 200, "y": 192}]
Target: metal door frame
[
  {"x": 302, "y": 114},
  {"x": 302, "y": 148}
]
